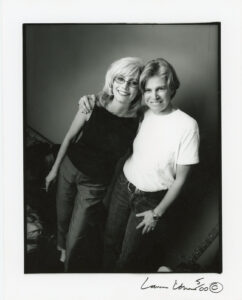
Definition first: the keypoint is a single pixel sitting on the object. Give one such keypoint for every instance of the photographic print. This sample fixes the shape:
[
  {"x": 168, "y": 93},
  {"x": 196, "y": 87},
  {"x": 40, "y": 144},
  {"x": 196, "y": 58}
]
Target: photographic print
[{"x": 122, "y": 148}]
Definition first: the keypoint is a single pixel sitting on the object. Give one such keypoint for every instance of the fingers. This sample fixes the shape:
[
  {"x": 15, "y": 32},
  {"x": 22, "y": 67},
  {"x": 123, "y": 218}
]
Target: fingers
[
  {"x": 85, "y": 107},
  {"x": 147, "y": 223},
  {"x": 140, "y": 225},
  {"x": 87, "y": 103},
  {"x": 47, "y": 183},
  {"x": 147, "y": 229},
  {"x": 144, "y": 230},
  {"x": 141, "y": 214},
  {"x": 84, "y": 104},
  {"x": 92, "y": 101}
]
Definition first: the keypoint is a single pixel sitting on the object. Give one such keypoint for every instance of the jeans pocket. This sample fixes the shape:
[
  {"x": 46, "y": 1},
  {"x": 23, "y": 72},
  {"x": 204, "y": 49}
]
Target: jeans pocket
[
  {"x": 145, "y": 202},
  {"x": 140, "y": 203}
]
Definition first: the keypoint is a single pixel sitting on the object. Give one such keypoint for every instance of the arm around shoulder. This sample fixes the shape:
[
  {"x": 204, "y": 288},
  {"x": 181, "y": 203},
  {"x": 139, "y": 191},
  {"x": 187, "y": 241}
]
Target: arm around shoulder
[{"x": 87, "y": 103}]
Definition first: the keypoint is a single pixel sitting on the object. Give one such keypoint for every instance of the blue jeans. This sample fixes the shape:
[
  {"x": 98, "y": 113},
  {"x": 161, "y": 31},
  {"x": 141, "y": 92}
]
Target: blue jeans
[
  {"x": 126, "y": 249},
  {"x": 80, "y": 219}
]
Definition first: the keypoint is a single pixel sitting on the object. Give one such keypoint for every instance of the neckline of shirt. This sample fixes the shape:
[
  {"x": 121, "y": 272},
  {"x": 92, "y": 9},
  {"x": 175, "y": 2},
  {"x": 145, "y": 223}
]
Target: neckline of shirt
[
  {"x": 112, "y": 114},
  {"x": 149, "y": 111}
]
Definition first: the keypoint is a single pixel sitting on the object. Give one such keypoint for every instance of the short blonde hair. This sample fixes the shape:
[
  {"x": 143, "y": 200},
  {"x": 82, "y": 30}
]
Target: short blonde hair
[
  {"x": 160, "y": 67},
  {"x": 127, "y": 66}
]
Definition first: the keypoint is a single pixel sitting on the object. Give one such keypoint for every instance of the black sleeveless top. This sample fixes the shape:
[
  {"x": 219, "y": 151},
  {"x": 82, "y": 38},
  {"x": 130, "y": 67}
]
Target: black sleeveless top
[{"x": 105, "y": 138}]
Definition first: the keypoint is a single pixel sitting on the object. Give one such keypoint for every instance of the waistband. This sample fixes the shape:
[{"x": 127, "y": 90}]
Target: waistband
[{"x": 134, "y": 190}]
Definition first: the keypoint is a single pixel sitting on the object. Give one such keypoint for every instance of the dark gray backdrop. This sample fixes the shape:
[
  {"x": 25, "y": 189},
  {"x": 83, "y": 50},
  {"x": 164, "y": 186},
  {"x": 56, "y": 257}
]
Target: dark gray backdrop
[{"x": 64, "y": 62}]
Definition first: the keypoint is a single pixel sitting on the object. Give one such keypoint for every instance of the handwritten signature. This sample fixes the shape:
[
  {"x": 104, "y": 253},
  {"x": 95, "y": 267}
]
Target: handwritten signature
[{"x": 198, "y": 285}]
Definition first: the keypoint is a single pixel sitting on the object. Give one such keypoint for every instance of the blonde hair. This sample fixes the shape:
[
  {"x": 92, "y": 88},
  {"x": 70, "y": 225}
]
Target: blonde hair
[
  {"x": 160, "y": 67},
  {"x": 127, "y": 66}
]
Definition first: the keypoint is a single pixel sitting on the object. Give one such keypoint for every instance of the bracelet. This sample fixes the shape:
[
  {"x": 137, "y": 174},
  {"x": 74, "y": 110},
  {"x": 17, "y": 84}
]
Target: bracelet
[{"x": 156, "y": 217}]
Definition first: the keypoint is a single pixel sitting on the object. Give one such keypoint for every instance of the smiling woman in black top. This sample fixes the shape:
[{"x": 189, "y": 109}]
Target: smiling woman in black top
[{"x": 85, "y": 167}]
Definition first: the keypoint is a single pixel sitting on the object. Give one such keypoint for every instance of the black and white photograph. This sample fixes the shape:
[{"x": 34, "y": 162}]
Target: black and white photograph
[
  {"x": 120, "y": 154},
  {"x": 122, "y": 148}
]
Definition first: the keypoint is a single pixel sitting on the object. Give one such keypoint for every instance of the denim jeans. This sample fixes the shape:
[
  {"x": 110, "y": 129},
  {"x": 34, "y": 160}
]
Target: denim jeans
[
  {"x": 126, "y": 249},
  {"x": 80, "y": 219}
]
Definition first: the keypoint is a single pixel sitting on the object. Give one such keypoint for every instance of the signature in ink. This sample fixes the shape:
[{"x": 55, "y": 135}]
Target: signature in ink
[
  {"x": 145, "y": 286},
  {"x": 214, "y": 287},
  {"x": 198, "y": 285}
]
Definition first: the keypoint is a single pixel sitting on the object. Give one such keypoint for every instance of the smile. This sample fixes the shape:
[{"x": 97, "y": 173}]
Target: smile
[
  {"x": 123, "y": 93},
  {"x": 156, "y": 102}
]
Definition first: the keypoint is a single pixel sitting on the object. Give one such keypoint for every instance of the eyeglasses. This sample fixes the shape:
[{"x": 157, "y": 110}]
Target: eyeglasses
[{"x": 121, "y": 80}]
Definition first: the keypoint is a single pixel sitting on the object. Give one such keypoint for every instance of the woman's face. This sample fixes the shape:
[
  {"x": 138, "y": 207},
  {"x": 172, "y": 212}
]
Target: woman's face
[
  {"x": 125, "y": 88},
  {"x": 157, "y": 95}
]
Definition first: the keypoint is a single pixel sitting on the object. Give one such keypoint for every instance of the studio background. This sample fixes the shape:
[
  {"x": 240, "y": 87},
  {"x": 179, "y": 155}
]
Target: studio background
[{"x": 64, "y": 62}]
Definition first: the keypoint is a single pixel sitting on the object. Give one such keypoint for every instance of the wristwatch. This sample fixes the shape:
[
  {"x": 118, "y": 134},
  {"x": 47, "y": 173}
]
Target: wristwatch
[{"x": 156, "y": 217}]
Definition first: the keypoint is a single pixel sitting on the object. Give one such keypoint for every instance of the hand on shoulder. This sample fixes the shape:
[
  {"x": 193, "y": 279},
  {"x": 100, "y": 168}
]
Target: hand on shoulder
[{"x": 87, "y": 103}]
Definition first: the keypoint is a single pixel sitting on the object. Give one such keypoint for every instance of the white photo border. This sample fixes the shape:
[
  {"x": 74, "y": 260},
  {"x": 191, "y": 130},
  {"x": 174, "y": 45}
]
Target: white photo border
[{"x": 16, "y": 284}]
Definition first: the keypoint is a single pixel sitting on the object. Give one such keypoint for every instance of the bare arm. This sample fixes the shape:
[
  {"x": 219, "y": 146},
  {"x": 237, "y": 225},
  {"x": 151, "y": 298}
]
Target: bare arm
[
  {"x": 75, "y": 127},
  {"x": 148, "y": 221},
  {"x": 174, "y": 190}
]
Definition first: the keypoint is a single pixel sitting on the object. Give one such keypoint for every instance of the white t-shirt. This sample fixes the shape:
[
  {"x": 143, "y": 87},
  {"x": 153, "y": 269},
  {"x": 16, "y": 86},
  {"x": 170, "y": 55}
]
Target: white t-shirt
[{"x": 163, "y": 141}]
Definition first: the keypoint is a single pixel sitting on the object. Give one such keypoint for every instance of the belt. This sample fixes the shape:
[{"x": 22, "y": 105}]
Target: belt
[
  {"x": 130, "y": 186},
  {"x": 134, "y": 190}
]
